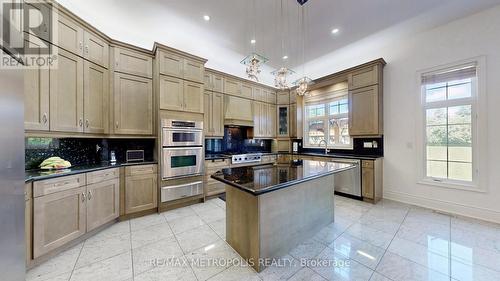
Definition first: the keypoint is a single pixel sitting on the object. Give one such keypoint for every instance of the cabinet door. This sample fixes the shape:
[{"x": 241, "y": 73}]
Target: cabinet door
[
  {"x": 232, "y": 86},
  {"x": 363, "y": 111},
  {"x": 131, "y": 62},
  {"x": 171, "y": 65},
  {"x": 256, "y": 119},
  {"x": 283, "y": 121},
  {"x": 70, "y": 35},
  {"x": 257, "y": 94},
  {"x": 367, "y": 182},
  {"x": 246, "y": 91},
  {"x": 133, "y": 105},
  {"x": 96, "y": 49},
  {"x": 171, "y": 93},
  {"x": 217, "y": 115},
  {"x": 271, "y": 97},
  {"x": 217, "y": 83},
  {"x": 96, "y": 98},
  {"x": 207, "y": 81},
  {"x": 28, "y": 219},
  {"x": 58, "y": 218},
  {"x": 272, "y": 121},
  {"x": 103, "y": 203},
  {"x": 140, "y": 193},
  {"x": 193, "y": 71},
  {"x": 293, "y": 120},
  {"x": 193, "y": 97},
  {"x": 283, "y": 98},
  {"x": 36, "y": 95},
  {"x": 363, "y": 77},
  {"x": 66, "y": 93},
  {"x": 263, "y": 120},
  {"x": 207, "y": 117}
]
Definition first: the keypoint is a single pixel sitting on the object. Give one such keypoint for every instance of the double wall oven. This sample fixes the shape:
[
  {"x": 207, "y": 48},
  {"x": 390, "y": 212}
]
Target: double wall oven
[{"x": 182, "y": 148}]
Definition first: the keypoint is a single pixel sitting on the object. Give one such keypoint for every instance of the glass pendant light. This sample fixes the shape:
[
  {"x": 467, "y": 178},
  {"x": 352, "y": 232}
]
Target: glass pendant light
[
  {"x": 254, "y": 61},
  {"x": 281, "y": 74},
  {"x": 303, "y": 83}
]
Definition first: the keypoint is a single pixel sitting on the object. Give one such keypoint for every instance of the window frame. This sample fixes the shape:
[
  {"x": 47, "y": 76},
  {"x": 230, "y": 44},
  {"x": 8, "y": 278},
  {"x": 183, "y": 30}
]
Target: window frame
[
  {"x": 478, "y": 127},
  {"x": 326, "y": 119}
]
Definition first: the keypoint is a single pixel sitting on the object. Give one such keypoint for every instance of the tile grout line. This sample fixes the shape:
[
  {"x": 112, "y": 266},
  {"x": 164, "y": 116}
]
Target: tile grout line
[
  {"x": 76, "y": 261},
  {"x": 131, "y": 249}
]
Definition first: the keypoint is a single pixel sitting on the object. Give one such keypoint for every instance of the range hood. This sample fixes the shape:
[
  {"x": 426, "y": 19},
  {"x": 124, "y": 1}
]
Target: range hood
[{"x": 239, "y": 111}]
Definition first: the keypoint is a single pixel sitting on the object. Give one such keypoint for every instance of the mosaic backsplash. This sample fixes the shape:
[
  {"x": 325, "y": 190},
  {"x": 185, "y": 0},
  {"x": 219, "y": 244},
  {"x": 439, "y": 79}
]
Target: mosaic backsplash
[{"x": 83, "y": 151}]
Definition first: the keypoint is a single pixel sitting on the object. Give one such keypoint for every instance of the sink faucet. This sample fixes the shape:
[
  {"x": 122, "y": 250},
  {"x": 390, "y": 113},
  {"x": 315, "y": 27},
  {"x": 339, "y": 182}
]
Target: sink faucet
[{"x": 326, "y": 145}]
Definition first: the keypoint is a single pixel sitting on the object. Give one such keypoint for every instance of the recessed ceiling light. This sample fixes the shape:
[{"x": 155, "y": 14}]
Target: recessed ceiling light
[
  {"x": 285, "y": 57},
  {"x": 335, "y": 30},
  {"x": 206, "y": 17},
  {"x": 252, "y": 41}
]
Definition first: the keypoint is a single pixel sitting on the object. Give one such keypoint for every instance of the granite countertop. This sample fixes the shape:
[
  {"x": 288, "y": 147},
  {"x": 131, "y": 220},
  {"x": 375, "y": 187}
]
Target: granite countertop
[
  {"x": 216, "y": 156},
  {"x": 348, "y": 156},
  {"x": 260, "y": 179},
  {"x": 36, "y": 175}
]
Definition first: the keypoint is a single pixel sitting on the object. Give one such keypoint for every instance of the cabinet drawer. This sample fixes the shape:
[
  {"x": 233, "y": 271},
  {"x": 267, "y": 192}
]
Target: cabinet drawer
[
  {"x": 174, "y": 192},
  {"x": 364, "y": 77},
  {"x": 46, "y": 187},
  {"x": 103, "y": 175},
  {"x": 214, "y": 188},
  {"x": 217, "y": 163},
  {"x": 367, "y": 164},
  {"x": 131, "y": 62},
  {"x": 140, "y": 170}
]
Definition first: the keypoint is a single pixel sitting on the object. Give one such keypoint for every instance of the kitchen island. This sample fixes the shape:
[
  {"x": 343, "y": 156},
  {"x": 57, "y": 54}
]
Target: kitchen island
[{"x": 270, "y": 209}]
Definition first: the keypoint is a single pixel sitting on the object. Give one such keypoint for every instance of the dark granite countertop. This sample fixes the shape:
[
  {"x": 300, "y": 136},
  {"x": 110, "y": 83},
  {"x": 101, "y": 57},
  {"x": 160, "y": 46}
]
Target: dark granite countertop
[
  {"x": 36, "y": 175},
  {"x": 260, "y": 179},
  {"x": 209, "y": 156},
  {"x": 334, "y": 155}
]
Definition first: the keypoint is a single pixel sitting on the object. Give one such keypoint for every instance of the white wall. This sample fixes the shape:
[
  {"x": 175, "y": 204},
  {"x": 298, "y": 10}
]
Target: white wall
[{"x": 465, "y": 38}]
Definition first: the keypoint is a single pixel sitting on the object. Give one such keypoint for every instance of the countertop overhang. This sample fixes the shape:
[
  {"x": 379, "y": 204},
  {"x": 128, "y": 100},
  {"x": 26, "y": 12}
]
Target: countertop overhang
[{"x": 261, "y": 179}]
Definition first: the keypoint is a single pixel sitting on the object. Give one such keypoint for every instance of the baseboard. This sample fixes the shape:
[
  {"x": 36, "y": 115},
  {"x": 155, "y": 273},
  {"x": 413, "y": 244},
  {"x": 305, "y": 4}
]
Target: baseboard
[{"x": 444, "y": 206}]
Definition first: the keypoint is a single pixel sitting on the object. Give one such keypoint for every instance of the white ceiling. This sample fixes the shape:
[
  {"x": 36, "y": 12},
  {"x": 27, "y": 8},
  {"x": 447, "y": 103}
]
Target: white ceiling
[{"x": 225, "y": 39}]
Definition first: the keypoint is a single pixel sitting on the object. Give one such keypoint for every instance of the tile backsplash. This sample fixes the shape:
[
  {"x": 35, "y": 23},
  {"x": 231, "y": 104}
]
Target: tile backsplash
[{"x": 82, "y": 151}]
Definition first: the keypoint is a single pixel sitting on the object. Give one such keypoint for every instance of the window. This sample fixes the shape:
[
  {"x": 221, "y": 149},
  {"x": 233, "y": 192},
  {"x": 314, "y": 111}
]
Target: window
[
  {"x": 449, "y": 113},
  {"x": 327, "y": 120}
]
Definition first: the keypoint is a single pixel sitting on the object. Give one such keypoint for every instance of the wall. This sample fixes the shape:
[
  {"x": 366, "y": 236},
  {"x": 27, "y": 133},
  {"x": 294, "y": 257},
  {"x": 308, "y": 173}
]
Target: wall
[{"x": 469, "y": 37}]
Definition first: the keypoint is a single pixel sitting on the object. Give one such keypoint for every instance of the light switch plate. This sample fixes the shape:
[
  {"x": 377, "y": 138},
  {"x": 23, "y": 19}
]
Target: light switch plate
[{"x": 367, "y": 144}]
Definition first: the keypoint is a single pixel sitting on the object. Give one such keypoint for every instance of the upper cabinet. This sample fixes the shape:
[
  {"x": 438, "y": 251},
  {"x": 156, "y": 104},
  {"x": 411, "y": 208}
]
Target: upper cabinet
[
  {"x": 283, "y": 97},
  {"x": 214, "y": 115},
  {"x": 232, "y": 86},
  {"x": 179, "y": 66},
  {"x": 366, "y": 100},
  {"x": 132, "y": 62},
  {"x": 95, "y": 98},
  {"x": 96, "y": 49},
  {"x": 246, "y": 91},
  {"x": 214, "y": 82}
]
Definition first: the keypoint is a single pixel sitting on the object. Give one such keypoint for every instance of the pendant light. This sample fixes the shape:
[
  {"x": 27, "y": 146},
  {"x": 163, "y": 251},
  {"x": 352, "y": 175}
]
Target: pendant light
[
  {"x": 281, "y": 74},
  {"x": 254, "y": 61},
  {"x": 302, "y": 83}
]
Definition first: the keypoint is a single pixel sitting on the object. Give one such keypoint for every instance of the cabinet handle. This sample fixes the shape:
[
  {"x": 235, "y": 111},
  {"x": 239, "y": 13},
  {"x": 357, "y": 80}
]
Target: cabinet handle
[
  {"x": 44, "y": 118},
  {"x": 116, "y": 125},
  {"x": 87, "y": 123},
  {"x": 87, "y": 49},
  {"x": 90, "y": 195},
  {"x": 80, "y": 122},
  {"x": 80, "y": 45},
  {"x": 83, "y": 197}
]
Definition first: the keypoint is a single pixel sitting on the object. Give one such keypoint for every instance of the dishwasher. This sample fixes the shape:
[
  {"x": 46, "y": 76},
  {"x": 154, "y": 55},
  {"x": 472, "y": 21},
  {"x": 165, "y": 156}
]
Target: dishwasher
[{"x": 349, "y": 181}]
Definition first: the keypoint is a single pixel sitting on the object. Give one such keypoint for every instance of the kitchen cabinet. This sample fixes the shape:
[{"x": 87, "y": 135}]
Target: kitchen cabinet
[
  {"x": 283, "y": 112},
  {"x": 283, "y": 145},
  {"x": 264, "y": 120},
  {"x": 141, "y": 189},
  {"x": 293, "y": 120},
  {"x": 214, "y": 117},
  {"x": 66, "y": 93},
  {"x": 270, "y": 96},
  {"x": 193, "y": 97},
  {"x": 171, "y": 93},
  {"x": 214, "y": 187},
  {"x": 258, "y": 94},
  {"x": 232, "y": 86},
  {"x": 131, "y": 62},
  {"x": 371, "y": 180},
  {"x": 95, "y": 49},
  {"x": 238, "y": 111},
  {"x": 366, "y": 76},
  {"x": 365, "y": 116},
  {"x": 36, "y": 95},
  {"x": 214, "y": 82},
  {"x": 70, "y": 35},
  {"x": 58, "y": 218},
  {"x": 103, "y": 202},
  {"x": 133, "y": 105},
  {"x": 271, "y": 125},
  {"x": 28, "y": 220},
  {"x": 181, "y": 67},
  {"x": 283, "y": 97},
  {"x": 246, "y": 91},
  {"x": 96, "y": 98}
]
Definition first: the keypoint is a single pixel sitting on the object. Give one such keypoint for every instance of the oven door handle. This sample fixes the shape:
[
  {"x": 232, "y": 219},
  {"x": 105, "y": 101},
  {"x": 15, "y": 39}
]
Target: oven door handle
[{"x": 182, "y": 185}]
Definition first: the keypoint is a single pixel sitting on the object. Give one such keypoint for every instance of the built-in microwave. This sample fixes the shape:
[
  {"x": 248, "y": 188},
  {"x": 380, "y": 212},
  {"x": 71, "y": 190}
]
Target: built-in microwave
[
  {"x": 182, "y": 162},
  {"x": 181, "y": 133}
]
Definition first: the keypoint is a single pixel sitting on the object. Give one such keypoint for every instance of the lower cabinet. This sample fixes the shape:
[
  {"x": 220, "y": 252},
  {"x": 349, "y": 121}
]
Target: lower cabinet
[
  {"x": 103, "y": 203},
  {"x": 371, "y": 179},
  {"x": 214, "y": 187},
  {"x": 64, "y": 212},
  {"x": 141, "y": 189},
  {"x": 58, "y": 218}
]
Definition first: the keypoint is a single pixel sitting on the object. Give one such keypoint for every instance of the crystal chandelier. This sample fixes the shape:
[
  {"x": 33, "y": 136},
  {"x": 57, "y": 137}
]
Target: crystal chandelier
[
  {"x": 253, "y": 62},
  {"x": 302, "y": 84},
  {"x": 280, "y": 77}
]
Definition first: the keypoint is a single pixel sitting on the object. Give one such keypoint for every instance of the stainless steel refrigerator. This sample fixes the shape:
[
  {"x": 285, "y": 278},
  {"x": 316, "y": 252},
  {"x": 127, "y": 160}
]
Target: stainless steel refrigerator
[{"x": 12, "y": 246}]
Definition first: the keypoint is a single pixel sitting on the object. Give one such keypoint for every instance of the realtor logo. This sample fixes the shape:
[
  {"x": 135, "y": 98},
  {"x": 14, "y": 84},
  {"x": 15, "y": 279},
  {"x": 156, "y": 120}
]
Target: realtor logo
[{"x": 28, "y": 34}]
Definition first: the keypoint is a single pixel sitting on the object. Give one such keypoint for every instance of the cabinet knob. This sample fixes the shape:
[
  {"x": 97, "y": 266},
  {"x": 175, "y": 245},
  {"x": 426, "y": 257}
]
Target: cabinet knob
[
  {"x": 44, "y": 118},
  {"x": 116, "y": 125},
  {"x": 80, "y": 122},
  {"x": 83, "y": 197},
  {"x": 80, "y": 45},
  {"x": 90, "y": 195},
  {"x": 87, "y": 123},
  {"x": 87, "y": 49}
]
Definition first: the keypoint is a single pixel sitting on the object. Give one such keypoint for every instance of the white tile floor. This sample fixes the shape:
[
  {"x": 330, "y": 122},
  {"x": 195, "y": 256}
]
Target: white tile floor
[{"x": 387, "y": 241}]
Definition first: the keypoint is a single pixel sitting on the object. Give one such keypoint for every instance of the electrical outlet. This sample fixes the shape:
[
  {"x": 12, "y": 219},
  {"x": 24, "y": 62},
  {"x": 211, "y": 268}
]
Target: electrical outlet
[
  {"x": 367, "y": 144},
  {"x": 375, "y": 144}
]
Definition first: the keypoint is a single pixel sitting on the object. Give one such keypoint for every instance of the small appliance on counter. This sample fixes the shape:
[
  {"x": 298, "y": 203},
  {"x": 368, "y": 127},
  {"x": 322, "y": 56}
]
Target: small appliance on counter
[
  {"x": 112, "y": 158},
  {"x": 136, "y": 155},
  {"x": 296, "y": 146}
]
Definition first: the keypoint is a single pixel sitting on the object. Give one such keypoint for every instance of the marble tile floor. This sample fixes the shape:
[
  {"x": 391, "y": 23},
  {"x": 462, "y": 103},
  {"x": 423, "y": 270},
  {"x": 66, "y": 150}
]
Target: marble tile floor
[{"x": 386, "y": 241}]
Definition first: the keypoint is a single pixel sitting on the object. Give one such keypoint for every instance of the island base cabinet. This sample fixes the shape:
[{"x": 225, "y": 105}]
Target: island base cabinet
[
  {"x": 103, "y": 203},
  {"x": 57, "y": 219},
  {"x": 140, "y": 193}
]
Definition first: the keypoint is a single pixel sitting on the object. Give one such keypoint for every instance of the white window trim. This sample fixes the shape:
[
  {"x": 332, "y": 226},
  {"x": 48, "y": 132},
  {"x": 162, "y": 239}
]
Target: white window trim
[
  {"x": 479, "y": 146},
  {"x": 326, "y": 118}
]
